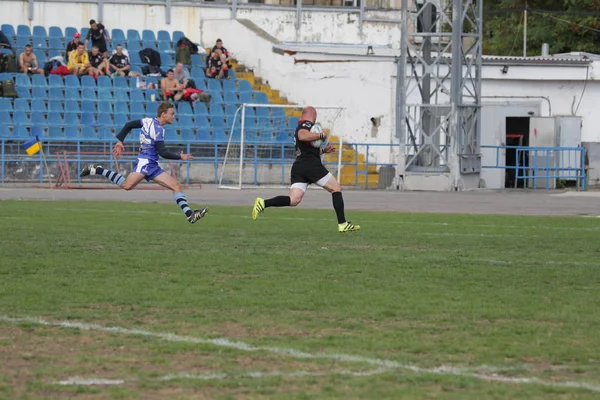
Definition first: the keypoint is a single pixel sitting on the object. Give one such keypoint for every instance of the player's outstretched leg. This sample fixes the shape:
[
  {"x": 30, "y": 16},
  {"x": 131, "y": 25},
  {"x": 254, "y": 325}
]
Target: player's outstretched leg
[
  {"x": 294, "y": 198},
  {"x": 114, "y": 177},
  {"x": 333, "y": 187},
  {"x": 169, "y": 182}
]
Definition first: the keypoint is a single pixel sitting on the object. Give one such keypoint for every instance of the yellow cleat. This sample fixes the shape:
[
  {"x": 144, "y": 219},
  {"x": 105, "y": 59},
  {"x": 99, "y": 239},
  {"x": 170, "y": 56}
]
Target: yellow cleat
[
  {"x": 259, "y": 206},
  {"x": 348, "y": 227}
]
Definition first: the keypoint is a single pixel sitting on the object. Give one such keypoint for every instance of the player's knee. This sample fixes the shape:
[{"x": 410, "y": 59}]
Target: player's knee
[
  {"x": 176, "y": 187},
  {"x": 127, "y": 186},
  {"x": 295, "y": 200}
]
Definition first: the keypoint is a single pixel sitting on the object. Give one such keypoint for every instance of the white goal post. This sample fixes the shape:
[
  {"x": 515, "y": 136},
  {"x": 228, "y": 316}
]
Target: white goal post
[{"x": 260, "y": 147}]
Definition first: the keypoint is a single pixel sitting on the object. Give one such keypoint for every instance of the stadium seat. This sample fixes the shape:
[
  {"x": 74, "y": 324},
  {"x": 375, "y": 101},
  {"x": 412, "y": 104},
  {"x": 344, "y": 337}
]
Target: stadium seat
[
  {"x": 69, "y": 33},
  {"x": 56, "y": 81},
  {"x": 151, "y": 108},
  {"x": 4, "y": 132},
  {"x": 148, "y": 44},
  {"x": 72, "y": 132},
  {"x": 177, "y": 35},
  {"x": 148, "y": 35},
  {"x": 88, "y": 81},
  {"x": 165, "y": 47},
  {"x": 39, "y": 31},
  {"x": 72, "y": 119},
  {"x": 293, "y": 122},
  {"x": 56, "y": 93},
  {"x": 20, "y": 118},
  {"x": 41, "y": 56},
  {"x": 72, "y": 93},
  {"x": 84, "y": 31},
  {"x": 200, "y": 109},
  {"x": 118, "y": 37},
  {"x": 219, "y": 136},
  {"x": 55, "y": 119},
  {"x": 55, "y": 32},
  {"x": 5, "y": 118},
  {"x": 282, "y": 137},
  {"x": 21, "y": 105},
  {"x": 133, "y": 35},
  {"x": 120, "y": 120},
  {"x": 72, "y": 106},
  {"x": 105, "y": 93},
  {"x": 105, "y": 120},
  {"x": 56, "y": 44},
  {"x": 8, "y": 30},
  {"x": 89, "y": 107},
  {"x": 134, "y": 58},
  {"x": 217, "y": 122},
  {"x": 244, "y": 86},
  {"x": 214, "y": 85},
  {"x": 5, "y": 104},
  {"x": 55, "y": 106},
  {"x": 38, "y": 105},
  {"x": 203, "y": 135},
  {"x": 121, "y": 108},
  {"x": 39, "y": 119},
  {"x": 278, "y": 112},
  {"x": 167, "y": 59},
  {"x": 105, "y": 107},
  {"x": 88, "y": 119},
  {"x": 198, "y": 74},
  {"x": 39, "y": 81},
  {"x": 23, "y": 30},
  {"x": 200, "y": 84},
  {"x": 133, "y": 46},
  {"x": 185, "y": 122},
  {"x": 121, "y": 95},
  {"x": 246, "y": 97},
  {"x": 184, "y": 108},
  {"x": 22, "y": 41},
  {"x": 230, "y": 109},
  {"x": 23, "y": 80},
  {"x": 197, "y": 60},
  {"x": 137, "y": 108},
  {"x": 120, "y": 82},
  {"x": 72, "y": 81},
  {"x": 40, "y": 44},
  {"x": 229, "y": 86},
  {"x": 55, "y": 132},
  {"x": 105, "y": 133},
  {"x": 231, "y": 98},
  {"x": 104, "y": 81},
  {"x": 137, "y": 96},
  {"x": 216, "y": 98},
  {"x": 188, "y": 135},
  {"x": 261, "y": 98},
  {"x": 231, "y": 74},
  {"x": 202, "y": 122},
  {"x": 164, "y": 36},
  {"x": 21, "y": 131}
]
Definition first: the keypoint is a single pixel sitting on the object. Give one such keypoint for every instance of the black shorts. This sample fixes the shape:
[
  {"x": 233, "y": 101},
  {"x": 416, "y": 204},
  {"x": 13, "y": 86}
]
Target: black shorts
[
  {"x": 101, "y": 46},
  {"x": 308, "y": 172}
]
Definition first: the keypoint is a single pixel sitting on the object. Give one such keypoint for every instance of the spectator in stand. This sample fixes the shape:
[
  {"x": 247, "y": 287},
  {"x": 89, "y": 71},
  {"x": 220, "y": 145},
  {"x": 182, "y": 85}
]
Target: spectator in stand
[
  {"x": 4, "y": 42},
  {"x": 73, "y": 44},
  {"x": 98, "y": 64},
  {"x": 78, "y": 61},
  {"x": 171, "y": 88},
  {"x": 215, "y": 67},
  {"x": 119, "y": 63},
  {"x": 219, "y": 46},
  {"x": 181, "y": 74},
  {"x": 29, "y": 62},
  {"x": 99, "y": 35}
]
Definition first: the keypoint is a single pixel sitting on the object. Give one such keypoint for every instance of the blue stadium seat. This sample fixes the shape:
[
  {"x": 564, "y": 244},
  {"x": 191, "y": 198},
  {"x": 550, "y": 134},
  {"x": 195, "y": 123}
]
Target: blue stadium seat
[
  {"x": 184, "y": 108},
  {"x": 5, "y": 104},
  {"x": 230, "y": 109},
  {"x": 120, "y": 82},
  {"x": 229, "y": 86},
  {"x": 56, "y": 81},
  {"x": 261, "y": 98},
  {"x": 56, "y": 43},
  {"x": 56, "y": 131},
  {"x": 246, "y": 97},
  {"x": 5, "y": 118},
  {"x": 231, "y": 74},
  {"x": 72, "y": 93},
  {"x": 244, "y": 86},
  {"x": 188, "y": 134},
  {"x": 120, "y": 120},
  {"x": 8, "y": 30},
  {"x": 137, "y": 95},
  {"x": 293, "y": 122},
  {"x": 200, "y": 109},
  {"x": 121, "y": 95},
  {"x": 69, "y": 33},
  {"x": 4, "y": 132},
  {"x": 55, "y": 32},
  {"x": 219, "y": 136},
  {"x": 133, "y": 46},
  {"x": 105, "y": 120},
  {"x": 20, "y": 118},
  {"x": 23, "y": 30},
  {"x": 39, "y": 119},
  {"x": 22, "y": 41},
  {"x": 164, "y": 36},
  {"x": 56, "y": 93},
  {"x": 250, "y": 123},
  {"x": 249, "y": 113},
  {"x": 55, "y": 106},
  {"x": 216, "y": 98},
  {"x": 39, "y": 81},
  {"x": 167, "y": 59},
  {"x": 23, "y": 80},
  {"x": 6, "y": 51},
  {"x": 88, "y": 94},
  {"x": 38, "y": 105},
  {"x": 72, "y": 132},
  {"x": 105, "y": 107},
  {"x": 105, "y": 93},
  {"x": 185, "y": 122},
  {"x": 39, "y": 31},
  {"x": 53, "y": 53},
  {"x": 104, "y": 81},
  {"x": 72, "y": 81},
  {"x": 89, "y": 107},
  {"x": 202, "y": 122},
  {"x": 197, "y": 60},
  {"x": 278, "y": 112},
  {"x": 214, "y": 85},
  {"x": 148, "y": 35},
  {"x": 138, "y": 108},
  {"x": 118, "y": 37},
  {"x": 40, "y": 44},
  {"x": 262, "y": 112},
  {"x": 148, "y": 44},
  {"x": 217, "y": 122},
  {"x": 88, "y": 120},
  {"x": 200, "y": 84},
  {"x": 121, "y": 108},
  {"x": 21, "y": 132},
  {"x": 134, "y": 58},
  {"x": 72, "y": 106},
  {"x": 88, "y": 81},
  {"x": 216, "y": 111},
  {"x": 55, "y": 119},
  {"x": 165, "y": 47},
  {"x": 21, "y": 105},
  {"x": 231, "y": 98},
  {"x": 151, "y": 108},
  {"x": 105, "y": 133},
  {"x": 72, "y": 119},
  {"x": 177, "y": 35},
  {"x": 41, "y": 57},
  {"x": 133, "y": 35},
  {"x": 203, "y": 135},
  {"x": 84, "y": 31},
  {"x": 197, "y": 74}
]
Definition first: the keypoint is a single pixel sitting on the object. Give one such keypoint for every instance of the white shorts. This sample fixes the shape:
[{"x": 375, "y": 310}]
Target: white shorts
[{"x": 321, "y": 182}]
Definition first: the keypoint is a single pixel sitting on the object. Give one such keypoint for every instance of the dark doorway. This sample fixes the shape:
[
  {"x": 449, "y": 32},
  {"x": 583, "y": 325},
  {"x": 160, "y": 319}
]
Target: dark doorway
[{"x": 517, "y": 134}]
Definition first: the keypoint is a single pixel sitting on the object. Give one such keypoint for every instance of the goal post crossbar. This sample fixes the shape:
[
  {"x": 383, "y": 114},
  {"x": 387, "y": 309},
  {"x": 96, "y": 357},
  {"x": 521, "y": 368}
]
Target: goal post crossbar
[{"x": 232, "y": 151}]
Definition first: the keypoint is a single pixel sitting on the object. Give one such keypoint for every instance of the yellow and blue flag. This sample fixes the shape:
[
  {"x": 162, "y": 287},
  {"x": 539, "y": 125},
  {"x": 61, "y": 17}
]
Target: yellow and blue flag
[{"x": 32, "y": 146}]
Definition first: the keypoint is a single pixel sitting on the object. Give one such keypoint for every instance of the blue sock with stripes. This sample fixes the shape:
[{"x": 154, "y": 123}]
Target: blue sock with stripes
[
  {"x": 182, "y": 202},
  {"x": 114, "y": 177}
]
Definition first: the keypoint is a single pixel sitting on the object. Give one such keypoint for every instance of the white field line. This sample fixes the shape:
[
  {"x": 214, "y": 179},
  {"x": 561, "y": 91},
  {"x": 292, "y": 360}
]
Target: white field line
[
  {"x": 348, "y": 358},
  {"x": 493, "y": 226},
  {"x": 78, "y": 381}
]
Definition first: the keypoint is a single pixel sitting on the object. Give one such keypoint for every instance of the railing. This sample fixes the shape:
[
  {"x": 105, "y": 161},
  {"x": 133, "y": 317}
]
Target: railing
[
  {"x": 542, "y": 167},
  {"x": 17, "y": 167}
]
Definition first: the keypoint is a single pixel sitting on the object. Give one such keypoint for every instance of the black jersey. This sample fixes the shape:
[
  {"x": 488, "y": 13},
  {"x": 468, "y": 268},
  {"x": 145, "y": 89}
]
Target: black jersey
[
  {"x": 95, "y": 60},
  {"x": 305, "y": 150}
]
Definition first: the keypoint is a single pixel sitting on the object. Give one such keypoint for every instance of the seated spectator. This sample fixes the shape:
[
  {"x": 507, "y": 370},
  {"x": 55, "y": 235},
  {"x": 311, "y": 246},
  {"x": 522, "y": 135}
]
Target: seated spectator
[
  {"x": 29, "y": 62},
  {"x": 215, "y": 66},
  {"x": 119, "y": 63},
  {"x": 78, "y": 61},
  {"x": 181, "y": 74},
  {"x": 219, "y": 46},
  {"x": 99, "y": 35},
  {"x": 98, "y": 64},
  {"x": 171, "y": 88},
  {"x": 73, "y": 44}
]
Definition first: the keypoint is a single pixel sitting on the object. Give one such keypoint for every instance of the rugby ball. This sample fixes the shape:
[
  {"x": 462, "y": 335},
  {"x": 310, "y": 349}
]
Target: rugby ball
[{"x": 316, "y": 128}]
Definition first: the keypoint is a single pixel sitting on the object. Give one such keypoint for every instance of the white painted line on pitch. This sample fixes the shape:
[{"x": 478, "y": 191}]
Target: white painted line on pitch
[
  {"x": 78, "y": 381},
  {"x": 222, "y": 342}
]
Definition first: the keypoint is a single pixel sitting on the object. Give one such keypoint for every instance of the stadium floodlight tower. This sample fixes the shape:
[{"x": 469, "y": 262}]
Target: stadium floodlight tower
[{"x": 438, "y": 94}]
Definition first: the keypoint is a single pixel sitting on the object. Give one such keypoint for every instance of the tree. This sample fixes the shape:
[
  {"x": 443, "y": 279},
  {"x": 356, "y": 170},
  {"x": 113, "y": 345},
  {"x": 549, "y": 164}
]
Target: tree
[{"x": 566, "y": 25}]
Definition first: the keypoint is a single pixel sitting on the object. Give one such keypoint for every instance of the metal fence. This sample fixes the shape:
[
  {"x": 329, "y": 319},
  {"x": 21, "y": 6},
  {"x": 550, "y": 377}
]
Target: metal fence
[{"x": 542, "y": 167}]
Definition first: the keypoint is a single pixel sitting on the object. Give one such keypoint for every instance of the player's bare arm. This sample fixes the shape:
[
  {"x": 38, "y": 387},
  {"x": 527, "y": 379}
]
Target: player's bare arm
[{"x": 308, "y": 136}]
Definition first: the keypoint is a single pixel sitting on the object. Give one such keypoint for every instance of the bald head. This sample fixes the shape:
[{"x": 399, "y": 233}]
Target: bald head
[{"x": 309, "y": 114}]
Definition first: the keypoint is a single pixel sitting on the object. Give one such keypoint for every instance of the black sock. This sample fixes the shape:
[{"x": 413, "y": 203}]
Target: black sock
[
  {"x": 338, "y": 205},
  {"x": 279, "y": 201}
]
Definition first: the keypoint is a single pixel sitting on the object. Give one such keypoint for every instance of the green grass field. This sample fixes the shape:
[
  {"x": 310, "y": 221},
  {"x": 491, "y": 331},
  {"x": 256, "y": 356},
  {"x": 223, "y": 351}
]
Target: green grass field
[{"x": 414, "y": 306}]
